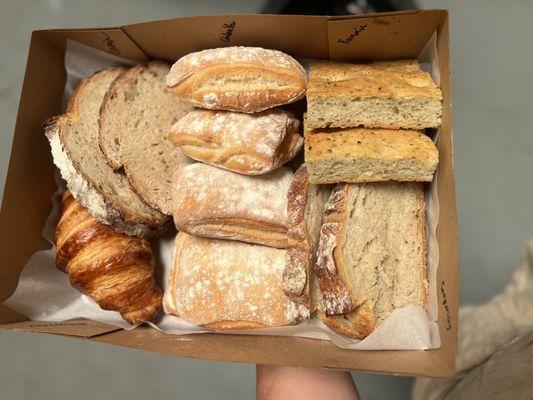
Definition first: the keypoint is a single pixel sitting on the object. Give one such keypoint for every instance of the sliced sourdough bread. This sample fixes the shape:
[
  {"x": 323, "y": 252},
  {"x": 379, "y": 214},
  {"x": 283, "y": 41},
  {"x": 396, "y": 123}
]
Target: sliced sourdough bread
[
  {"x": 223, "y": 284},
  {"x": 392, "y": 95},
  {"x": 135, "y": 119},
  {"x": 305, "y": 209},
  {"x": 373, "y": 242},
  {"x": 369, "y": 155},
  {"x": 74, "y": 141}
]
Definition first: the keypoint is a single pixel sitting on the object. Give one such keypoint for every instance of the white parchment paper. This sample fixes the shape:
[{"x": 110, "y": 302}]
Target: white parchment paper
[{"x": 44, "y": 293}]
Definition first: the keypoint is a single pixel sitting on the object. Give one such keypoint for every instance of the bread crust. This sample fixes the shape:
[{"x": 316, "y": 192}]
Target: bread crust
[
  {"x": 242, "y": 229},
  {"x": 298, "y": 257},
  {"x": 215, "y": 203},
  {"x": 204, "y": 78},
  {"x": 232, "y": 294},
  {"x": 247, "y": 144},
  {"x": 358, "y": 324},
  {"x": 83, "y": 187},
  {"x": 338, "y": 298}
]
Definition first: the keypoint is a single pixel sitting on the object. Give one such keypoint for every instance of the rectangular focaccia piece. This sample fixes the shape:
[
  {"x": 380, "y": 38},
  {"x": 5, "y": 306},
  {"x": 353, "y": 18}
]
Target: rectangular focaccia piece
[
  {"x": 391, "y": 94},
  {"x": 223, "y": 284},
  {"x": 369, "y": 155},
  {"x": 371, "y": 257}
]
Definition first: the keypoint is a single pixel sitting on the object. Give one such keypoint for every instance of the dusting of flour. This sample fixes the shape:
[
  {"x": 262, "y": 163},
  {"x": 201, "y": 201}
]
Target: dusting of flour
[
  {"x": 220, "y": 280},
  {"x": 237, "y": 54},
  {"x": 250, "y": 140},
  {"x": 207, "y": 192}
]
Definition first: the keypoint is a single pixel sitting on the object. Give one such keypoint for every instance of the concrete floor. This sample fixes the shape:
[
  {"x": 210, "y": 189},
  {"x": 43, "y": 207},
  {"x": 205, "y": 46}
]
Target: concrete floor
[{"x": 492, "y": 60}]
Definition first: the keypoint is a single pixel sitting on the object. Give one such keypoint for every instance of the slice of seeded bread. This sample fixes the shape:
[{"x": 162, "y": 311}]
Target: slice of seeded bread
[
  {"x": 74, "y": 140},
  {"x": 373, "y": 240},
  {"x": 358, "y": 155},
  {"x": 135, "y": 120},
  {"x": 392, "y": 95},
  {"x": 305, "y": 209}
]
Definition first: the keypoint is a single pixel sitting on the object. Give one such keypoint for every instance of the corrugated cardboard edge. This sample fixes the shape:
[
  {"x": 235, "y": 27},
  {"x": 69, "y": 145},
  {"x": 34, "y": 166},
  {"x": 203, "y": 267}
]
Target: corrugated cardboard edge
[
  {"x": 447, "y": 278},
  {"x": 44, "y": 79},
  {"x": 77, "y": 327},
  {"x": 279, "y": 350}
]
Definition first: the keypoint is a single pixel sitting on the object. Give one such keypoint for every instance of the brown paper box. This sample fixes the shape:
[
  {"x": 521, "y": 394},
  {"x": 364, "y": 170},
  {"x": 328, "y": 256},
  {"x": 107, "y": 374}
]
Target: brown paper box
[{"x": 30, "y": 180}]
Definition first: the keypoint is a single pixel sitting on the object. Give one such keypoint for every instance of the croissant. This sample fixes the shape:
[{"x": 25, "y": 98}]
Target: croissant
[{"x": 115, "y": 270}]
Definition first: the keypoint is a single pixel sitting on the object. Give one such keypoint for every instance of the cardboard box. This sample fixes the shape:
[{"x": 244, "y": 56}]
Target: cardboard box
[{"x": 30, "y": 180}]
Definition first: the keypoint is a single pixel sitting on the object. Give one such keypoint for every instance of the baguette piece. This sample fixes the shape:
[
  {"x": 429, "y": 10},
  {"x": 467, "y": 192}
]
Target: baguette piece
[
  {"x": 115, "y": 270},
  {"x": 241, "y": 79},
  {"x": 135, "y": 118},
  {"x": 222, "y": 284},
  {"x": 373, "y": 242},
  {"x": 369, "y": 155},
  {"x": 216, "y": 203},
  {"x": 74, "y": 141},
  {"x": 305, "y": 210},
  {"x": 391, "y": 94},
  {"x": 251, "y": 144}
]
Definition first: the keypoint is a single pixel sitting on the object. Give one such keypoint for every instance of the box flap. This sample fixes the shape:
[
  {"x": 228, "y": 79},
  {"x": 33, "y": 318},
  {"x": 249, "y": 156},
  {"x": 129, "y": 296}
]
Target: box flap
[
  {"x": 31, "y": 172},
  {"x": 300, "y": 36},
  {"x": 382, "y": 37},
  {"x": 76, "y": 327},
  {"x": 111, "y": 40},
  {"x": 278, "y": 350}
]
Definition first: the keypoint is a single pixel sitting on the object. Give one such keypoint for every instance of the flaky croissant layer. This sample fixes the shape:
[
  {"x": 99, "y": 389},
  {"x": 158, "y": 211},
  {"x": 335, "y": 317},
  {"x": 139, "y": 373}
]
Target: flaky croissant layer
[{"x": 115, "y": 270}]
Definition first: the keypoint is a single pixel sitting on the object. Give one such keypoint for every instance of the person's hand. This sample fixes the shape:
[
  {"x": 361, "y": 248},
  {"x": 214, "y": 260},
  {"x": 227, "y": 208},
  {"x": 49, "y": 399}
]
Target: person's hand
[{"x": 295, "y": 383}]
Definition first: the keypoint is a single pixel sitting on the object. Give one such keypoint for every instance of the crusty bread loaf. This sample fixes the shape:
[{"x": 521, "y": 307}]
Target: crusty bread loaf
[
  {"x": 216, "y": 203},
  {"x": 135, "y": 118},
  {"x": 373, "y": 242},
  {"x": 391, "y": 95},
  {"x": 74, "y": 141},
  {"x": 242, "y": 79},
  {"x": 222, "y": 284},
  {"x": 251, "y": 144},
  {"x": 369, "y": 155},
  {"x": 305, "y": 210}
]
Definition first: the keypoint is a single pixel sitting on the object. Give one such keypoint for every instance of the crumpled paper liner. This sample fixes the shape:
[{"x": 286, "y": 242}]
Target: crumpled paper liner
[{"x": 45, "y": 294}]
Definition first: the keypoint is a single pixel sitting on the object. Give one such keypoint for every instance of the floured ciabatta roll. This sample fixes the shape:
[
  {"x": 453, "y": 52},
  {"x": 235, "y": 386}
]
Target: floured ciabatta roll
[
  {"x": 224, "y": 284},
  {"x": 241, "y": 79}
]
